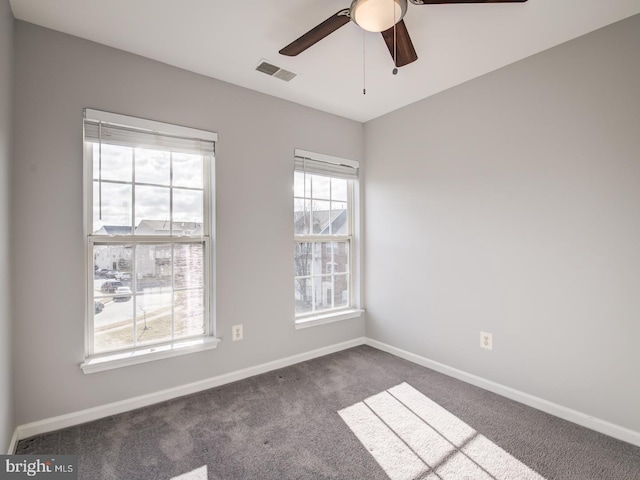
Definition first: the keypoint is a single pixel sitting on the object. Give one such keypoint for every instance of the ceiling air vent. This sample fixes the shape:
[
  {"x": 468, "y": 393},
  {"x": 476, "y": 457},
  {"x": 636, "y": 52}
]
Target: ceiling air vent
[{"x": 275, "y": 71}]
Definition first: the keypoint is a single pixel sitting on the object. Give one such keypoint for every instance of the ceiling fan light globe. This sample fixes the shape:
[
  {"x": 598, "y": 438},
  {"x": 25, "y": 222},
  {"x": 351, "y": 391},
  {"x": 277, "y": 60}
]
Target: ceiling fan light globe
[{"x": 377, "y": 15}]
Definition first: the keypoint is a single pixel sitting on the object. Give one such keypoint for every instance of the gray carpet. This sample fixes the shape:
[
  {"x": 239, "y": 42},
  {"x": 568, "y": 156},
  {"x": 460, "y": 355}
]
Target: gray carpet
[{"x": 294, "y": 424}]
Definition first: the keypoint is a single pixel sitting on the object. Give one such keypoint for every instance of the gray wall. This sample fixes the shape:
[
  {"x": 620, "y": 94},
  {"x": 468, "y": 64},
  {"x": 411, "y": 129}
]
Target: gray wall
[
  {"x": 511, "y": 204},
  {"x": 56, "y": 76},
  {"x": 6, "y": 75}
]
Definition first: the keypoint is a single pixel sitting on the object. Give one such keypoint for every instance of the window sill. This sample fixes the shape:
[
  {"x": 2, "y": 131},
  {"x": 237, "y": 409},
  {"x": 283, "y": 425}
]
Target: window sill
[
  {"x": 109, "y": 361},
  {"x": 316, "y": 320}
]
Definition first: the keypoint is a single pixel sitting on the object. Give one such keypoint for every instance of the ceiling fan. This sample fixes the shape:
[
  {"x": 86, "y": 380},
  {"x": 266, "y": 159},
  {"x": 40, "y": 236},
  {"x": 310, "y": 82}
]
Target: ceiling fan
[{"x": 375, "y": 16}]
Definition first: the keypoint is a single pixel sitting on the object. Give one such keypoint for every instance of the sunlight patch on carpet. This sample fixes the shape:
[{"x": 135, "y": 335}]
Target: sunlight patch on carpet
[
  {"x": 197, "y": 474},
  {"x": 414, "y": 438}
]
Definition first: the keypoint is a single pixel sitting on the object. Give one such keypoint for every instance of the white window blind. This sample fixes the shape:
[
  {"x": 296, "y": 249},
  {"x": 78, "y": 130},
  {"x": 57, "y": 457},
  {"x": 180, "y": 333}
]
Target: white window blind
[
  {"x": 318, "y": 164},
  {"x": 114, "y": 129}
]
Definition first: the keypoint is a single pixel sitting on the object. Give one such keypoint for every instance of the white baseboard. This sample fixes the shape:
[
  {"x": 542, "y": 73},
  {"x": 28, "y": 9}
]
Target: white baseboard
[
  {"x": 13, "y": 443},
  {"x": 95, "y": 413},
  {"x": 602, "y": 426}
]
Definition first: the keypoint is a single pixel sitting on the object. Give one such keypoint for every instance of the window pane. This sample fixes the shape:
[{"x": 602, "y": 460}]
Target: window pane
[
  {"x": 339, "y": 189},
  {"x": 320, "y": 187},
  {"x": 116, "y": 162},
  {"x": 298, "y": 184},
  {"x": 153, "y": 268},
  {"x": 301, "y": 216},
  {"x": 189, "y": 313},
  {"x": 187, "y": 207},
  {"x": 111, "y": 267},
  {"x": 341, "y": 257},
  {"x": 113, "y": 325},
  {"x": 152, "y": 210},
  {"x": 95, "y": 156},
  {"x": 153, "y": 319},
  {"x": 303, "y": 295},
  {"x": 188, "y": 269},
  {"x": 323, "y": 258},
  {"x": 307, "y": 186},
  {"x": 323, "y": 288},
  {"x": 339, "y": 218},
  {"x": 111, "y": 208},
  {"x": 188, "y": 170},
  {"x": 322, "y": 276},
  {"x": 320, "y": 217},
  {"x": 152, "y": 166},
  {"x": 301, "y": 185},
  {"x": 341, "y": 293},
  {"x": 303, "y": 259}
]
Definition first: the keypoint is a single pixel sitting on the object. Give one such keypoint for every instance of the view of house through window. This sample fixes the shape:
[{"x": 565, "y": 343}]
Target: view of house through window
[
  {"x": 148, "y": 236},
  {"x": 323, "y": 228}
]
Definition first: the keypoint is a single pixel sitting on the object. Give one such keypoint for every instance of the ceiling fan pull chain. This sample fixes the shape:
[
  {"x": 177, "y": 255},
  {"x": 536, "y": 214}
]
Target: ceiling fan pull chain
[
  {"x": 395, "y": 44},
  {"x": 364, "y": 65}
]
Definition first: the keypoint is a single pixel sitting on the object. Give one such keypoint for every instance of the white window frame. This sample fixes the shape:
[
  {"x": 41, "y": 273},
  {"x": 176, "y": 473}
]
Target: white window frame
[
  {"x": 336, "y": 167},
  {"x": 105, "y": 361}
]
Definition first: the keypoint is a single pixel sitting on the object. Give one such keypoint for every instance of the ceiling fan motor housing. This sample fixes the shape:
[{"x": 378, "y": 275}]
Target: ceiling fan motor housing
[{"x": 377, "y": 15}]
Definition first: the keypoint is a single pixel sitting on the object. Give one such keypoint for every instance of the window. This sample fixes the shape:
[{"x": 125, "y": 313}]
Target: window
[
  {"x": 149, "y": 207},
  {"x": 324, "y": 227}
]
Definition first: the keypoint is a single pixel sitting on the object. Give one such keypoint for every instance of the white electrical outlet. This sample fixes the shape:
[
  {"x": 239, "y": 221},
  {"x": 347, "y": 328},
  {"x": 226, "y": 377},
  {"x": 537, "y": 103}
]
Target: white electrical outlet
[
  {"x": 237, "y": 332},
  {"x": 486, "y": 340}
]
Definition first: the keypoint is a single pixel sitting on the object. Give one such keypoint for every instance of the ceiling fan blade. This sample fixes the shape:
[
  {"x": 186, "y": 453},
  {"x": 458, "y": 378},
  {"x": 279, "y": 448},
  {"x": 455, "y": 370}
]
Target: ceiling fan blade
[
  {"x": 317, "y": 33},
  {"x": 438, "y": 2},
  {"x": 404, "y": 51}
]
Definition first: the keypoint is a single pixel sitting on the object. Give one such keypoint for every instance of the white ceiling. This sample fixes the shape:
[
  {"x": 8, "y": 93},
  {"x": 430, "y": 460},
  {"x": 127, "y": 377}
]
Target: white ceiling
[{"x": 227, "y": 39}]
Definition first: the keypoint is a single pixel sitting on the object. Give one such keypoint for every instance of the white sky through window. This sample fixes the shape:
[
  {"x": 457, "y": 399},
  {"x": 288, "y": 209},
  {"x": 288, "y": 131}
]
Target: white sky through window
[{"x": 154, "y": 197}]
